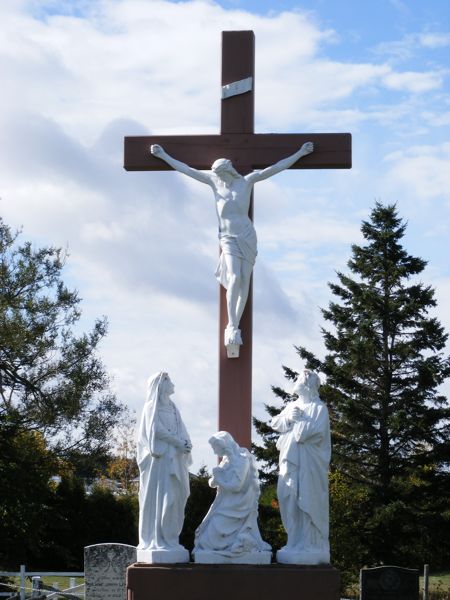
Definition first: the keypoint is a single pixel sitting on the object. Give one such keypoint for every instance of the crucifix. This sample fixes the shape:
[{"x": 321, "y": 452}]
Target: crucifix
[{"x": 247, "y": 151}]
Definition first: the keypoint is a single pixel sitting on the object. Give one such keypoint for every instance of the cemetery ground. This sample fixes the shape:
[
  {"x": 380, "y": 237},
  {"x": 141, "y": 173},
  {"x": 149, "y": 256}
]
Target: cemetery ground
[
  {"x": 63, "y": 582},
  {"x": 12, "y": 584},
  {"x": 439, "y": 585}
]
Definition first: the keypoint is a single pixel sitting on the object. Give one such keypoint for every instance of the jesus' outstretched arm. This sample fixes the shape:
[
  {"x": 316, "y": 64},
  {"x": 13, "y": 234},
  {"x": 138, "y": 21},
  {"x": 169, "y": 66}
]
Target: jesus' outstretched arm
[
  {"x": 281, "y": 165},
  {"x": 179, "y": 166}
]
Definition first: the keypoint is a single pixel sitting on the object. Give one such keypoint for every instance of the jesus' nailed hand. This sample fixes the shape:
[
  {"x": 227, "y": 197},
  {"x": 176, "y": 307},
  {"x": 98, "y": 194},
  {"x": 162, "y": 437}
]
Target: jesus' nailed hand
[{"x": 237, "y": 235}]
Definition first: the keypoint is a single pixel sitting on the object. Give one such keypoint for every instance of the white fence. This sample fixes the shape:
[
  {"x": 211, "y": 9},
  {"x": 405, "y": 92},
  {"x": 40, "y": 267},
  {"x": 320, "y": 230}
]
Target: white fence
[{"x": 34, "y": 587}]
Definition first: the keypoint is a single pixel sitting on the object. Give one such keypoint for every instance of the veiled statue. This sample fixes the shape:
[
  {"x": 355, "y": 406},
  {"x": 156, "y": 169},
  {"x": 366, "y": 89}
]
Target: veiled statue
[{"x": 164, "y": 457}]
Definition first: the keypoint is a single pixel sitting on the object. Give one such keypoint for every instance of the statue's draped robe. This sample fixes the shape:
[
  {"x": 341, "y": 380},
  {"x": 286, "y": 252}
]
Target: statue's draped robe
[
  {"x": 305, "y": 451},
  {"x": 230, "y": 526},
  {"x": 243, "y": 246},
  {"x": 164, "y": 476}
]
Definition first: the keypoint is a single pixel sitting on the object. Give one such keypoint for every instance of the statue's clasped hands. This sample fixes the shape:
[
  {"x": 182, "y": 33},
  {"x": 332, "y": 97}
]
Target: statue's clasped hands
[
  {"x": 183, "y": 445},
  {"x": 295, "y": 413}
]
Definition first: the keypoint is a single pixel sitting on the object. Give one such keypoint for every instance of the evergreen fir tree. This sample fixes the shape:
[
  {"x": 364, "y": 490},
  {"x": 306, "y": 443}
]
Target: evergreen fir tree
[
  {"x": 384, "y": 365},
  {"x": 267, "y": 454}
]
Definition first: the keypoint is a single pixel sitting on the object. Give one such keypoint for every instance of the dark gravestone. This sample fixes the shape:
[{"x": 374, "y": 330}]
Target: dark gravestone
[{"x": 389, "y": 583}]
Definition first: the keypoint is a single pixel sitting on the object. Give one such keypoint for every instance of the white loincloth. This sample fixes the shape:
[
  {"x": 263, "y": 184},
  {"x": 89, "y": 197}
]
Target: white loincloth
[{"x": 243, "y": 246}]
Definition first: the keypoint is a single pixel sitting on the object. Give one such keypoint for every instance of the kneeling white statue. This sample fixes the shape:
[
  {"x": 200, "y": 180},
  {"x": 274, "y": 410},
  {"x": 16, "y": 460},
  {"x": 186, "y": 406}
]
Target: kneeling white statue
[
  {"x": 163, "y": 456},
  {"x": 229, "y": 533},
  {"x": 305, "y": 450}
]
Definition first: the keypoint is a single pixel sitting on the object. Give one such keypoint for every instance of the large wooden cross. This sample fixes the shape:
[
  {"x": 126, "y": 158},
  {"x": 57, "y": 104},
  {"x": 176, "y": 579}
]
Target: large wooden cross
[{"x": 247, "y": 151}]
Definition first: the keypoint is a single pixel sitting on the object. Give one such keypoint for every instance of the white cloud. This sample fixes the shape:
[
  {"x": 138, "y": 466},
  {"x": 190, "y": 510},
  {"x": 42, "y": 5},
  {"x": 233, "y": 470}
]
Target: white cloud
[
  {"x": 137, "y": 59},
  {"x": 400, "y": 6},
  {"x": 411, "y": 44},
  {"x": 442, "y": 287},
  {"x": 422, "y": 170},
  {"x": 308, "y": 227},
  {"x": 436, "y": 119},
  {"x": 434, "y": 40},
  {"x": 413, "y": 82}
]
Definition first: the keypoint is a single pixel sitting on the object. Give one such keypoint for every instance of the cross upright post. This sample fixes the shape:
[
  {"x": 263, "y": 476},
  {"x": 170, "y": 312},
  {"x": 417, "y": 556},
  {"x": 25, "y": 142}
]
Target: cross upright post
[
  {"x": 237, "y": 117},
  {"x": 247, "y": 151}
]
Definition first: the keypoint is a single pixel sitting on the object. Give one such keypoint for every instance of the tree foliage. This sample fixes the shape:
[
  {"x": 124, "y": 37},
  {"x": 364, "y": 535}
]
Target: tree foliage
[
  {"x": 55, "y": 401},
  {"x": 51, "y": 379},
  {"x": 122, "y": 465},
  {"x": 267, "y": 454},
  {"x": 384, "y": 364},
  {"x": 26, "y": 467},
  {"x": 71, "y": 519},
  {"x": 200, "y": 499}
]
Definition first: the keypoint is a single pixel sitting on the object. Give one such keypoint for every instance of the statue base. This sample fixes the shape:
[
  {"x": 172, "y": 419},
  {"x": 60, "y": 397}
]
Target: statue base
[
  {"x": 246, "y": 558},
  {"x": 293, "y": 557},
  {"x": 222, "y": 582},
  {"x": 178, "y": 555}
]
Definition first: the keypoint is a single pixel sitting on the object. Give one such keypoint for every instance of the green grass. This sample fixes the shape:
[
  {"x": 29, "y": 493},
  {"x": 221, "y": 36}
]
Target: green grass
[
  {"x": 444, "y": 577},
  {"x": 63, "y": 582},
  {"x": 439, "y": 582}
]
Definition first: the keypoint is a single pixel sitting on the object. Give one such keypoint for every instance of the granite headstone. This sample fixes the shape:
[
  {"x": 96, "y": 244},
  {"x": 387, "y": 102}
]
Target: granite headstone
[
  {"x": 389, "y": 583},
  {"x": 105, "y": 567}
]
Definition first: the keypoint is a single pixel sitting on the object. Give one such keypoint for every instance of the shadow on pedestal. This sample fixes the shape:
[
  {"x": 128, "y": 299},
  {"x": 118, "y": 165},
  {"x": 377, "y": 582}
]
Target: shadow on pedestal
[{"x": 232, "y": 582}]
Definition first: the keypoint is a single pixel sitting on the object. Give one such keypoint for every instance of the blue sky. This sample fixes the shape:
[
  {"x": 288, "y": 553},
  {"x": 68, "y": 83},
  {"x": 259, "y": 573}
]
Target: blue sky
[{"x": 78, "y": 76}]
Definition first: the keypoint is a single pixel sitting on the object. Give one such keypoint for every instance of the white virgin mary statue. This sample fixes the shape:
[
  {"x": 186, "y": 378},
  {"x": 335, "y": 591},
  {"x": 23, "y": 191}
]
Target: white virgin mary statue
[
  {"x": 305, "y": 450},
  {"x": 164, "y": 457}
]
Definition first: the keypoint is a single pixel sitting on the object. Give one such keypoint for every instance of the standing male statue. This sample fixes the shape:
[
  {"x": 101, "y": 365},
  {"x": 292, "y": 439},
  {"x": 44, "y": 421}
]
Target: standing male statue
[
  {"x": 305, "y": 450},
  {"x": 237, "y": 234}
]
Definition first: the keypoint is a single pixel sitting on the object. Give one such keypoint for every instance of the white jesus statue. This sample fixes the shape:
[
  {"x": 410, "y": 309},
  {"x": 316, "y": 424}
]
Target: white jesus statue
[
  {"x": 305, "y": 449},
  {"x": 237, "y": 236}
]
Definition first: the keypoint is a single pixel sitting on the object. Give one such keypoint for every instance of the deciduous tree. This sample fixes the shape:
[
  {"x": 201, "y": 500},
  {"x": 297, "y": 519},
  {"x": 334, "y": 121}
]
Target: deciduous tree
[
  {"x": 55, "y": 400},
  {"x": 51, "y": 378}
]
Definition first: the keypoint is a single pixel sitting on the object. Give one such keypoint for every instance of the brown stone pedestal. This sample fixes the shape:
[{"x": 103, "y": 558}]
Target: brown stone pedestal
[{"x": 231, "y": 582}]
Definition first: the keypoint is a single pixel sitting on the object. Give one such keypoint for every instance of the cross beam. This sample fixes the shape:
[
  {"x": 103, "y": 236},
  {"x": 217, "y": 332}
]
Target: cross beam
[
  {"x": 260, "y": 150},
  {"x": 247, "y": 151}
]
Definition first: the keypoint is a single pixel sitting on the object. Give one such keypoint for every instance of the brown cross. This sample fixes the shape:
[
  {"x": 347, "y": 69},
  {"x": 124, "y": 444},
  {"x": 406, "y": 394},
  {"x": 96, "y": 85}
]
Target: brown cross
[{"x": 247, "y": 151}]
